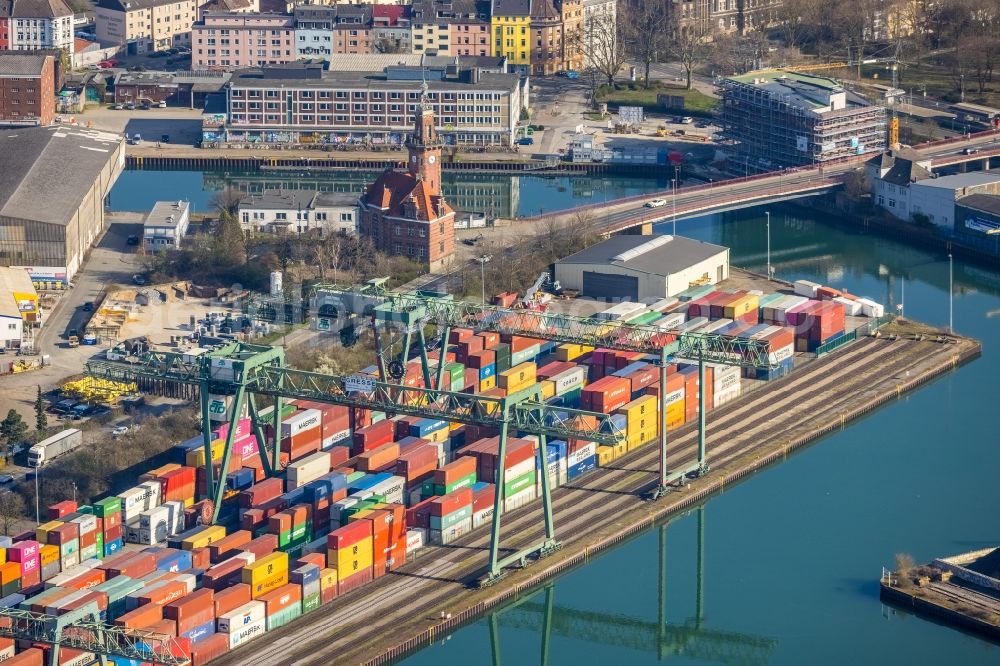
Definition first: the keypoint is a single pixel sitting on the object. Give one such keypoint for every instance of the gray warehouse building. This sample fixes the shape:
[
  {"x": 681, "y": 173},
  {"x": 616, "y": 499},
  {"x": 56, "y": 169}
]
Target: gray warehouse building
[
  {"x": 53, "y": 182},
  {"x": 637, "y": 267}
]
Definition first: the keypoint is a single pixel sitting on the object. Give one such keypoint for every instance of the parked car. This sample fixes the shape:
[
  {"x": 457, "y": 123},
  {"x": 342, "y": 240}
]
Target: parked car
[
  {"x": 162, "y": 104},
  {"x": 89, "y": 339},
  {"x": 526, "y": 141},
  {"x": 165, "y": 138},
  {"x": 6, "y": 479},
  {"x": 136, "y": 139},
  {"x": 88, "y": 307},
  {"x": 119, "y": 430},
  {"x": 687, "y": 120},
  {"x": 133, "y": 240},
  {"x": 656, "y": 203},
  {"x": 138, "y": 279},
  {"x": 970, "y": 151}
]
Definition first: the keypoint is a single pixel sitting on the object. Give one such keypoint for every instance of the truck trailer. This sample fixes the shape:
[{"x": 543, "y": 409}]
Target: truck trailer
[{"x": 54, "y": 446}]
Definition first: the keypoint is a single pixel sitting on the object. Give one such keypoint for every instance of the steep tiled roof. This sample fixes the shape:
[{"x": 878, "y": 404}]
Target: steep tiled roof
[
  {"x": 392, "y": 189},
  {"x": 40, "y": 9},
  {"x": 511, "y": 7}
]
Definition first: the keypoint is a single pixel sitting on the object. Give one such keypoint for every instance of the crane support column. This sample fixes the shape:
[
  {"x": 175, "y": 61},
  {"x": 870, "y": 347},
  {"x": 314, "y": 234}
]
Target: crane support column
[
  {"x": 550, "y": 528},
  {"x": 700, "y": 598},
  {"x": 258, "y": 434},
  {"x": 424, "y": 363},
  {"x": 661, "y": 488},
  {"x": 661, "y": 596},
  {"x": 220, "y": 488},
  {"x": 445, "y": 332},
  {"x": 702, "y": 463},
  {"x": 276, "y": 436},
  {"x": 206, "y": 434},
  {"x": 494, "y": 569},
  {"x": 550, "y": 593}
]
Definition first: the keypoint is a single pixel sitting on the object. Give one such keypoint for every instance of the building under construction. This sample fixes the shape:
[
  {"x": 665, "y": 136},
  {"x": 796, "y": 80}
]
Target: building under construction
[{"x": 780, "y": 118}]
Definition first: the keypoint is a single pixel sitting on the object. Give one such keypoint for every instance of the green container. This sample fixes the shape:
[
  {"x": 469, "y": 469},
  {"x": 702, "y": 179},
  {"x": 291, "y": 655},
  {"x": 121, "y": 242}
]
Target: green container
[
  {"x": 284, "y": 538},
  {"x": 265, "y": 415},
  {"x": 464, "y": 482},
  {"x": 503, "y": 358},
  {"x": 86, "y": 510},
  {"x": 524, "y": 355},
  {"x": 283, "y": 617},
  {"x": 427, "y": 489},
  {"x": 522, "y": 482},
  {"x": 457, "y": 373},
  {"x": 378, "y": 416},
  {"x": 100, "y": 545},
  {"x": 354, "y": 476},
  {"x": 107, "y": 506},
  {"x": 311, "y": 603},
  {"x": 444, "y": 522},
  {"x": 11, "y": 588},
  {"x": 645, "y": 318}
]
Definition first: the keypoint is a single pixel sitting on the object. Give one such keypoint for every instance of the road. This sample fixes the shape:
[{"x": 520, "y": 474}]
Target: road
[{"x": 111, "y": 261}]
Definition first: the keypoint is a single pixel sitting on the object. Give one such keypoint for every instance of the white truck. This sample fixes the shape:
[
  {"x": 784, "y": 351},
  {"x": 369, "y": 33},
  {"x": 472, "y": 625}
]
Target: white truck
[{"x": 54, "y": 446}]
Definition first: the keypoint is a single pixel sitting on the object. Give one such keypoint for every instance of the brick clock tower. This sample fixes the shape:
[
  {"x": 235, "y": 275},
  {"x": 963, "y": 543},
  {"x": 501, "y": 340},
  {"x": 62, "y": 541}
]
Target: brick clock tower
[{"x": 404, "y": 212}]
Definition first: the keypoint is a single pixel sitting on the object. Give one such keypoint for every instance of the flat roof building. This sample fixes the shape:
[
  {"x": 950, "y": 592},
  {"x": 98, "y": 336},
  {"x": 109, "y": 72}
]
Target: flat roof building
[
  {"x": 629, "y": 267},
  {"x": 17, "y": 297},
  {"x": 166, "y": 225},
  {"x": 783, "y": 118},
  {"x": 299, "y": 211},
  {"x": 52, "y": 189}
]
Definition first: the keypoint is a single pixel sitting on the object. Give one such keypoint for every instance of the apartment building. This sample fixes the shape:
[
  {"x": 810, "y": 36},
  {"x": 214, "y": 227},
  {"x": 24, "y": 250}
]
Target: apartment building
[
  {"x": 429, "y": 27},
  {"x": 299, "y": 212},
  {"x": 5, "y": 7},
  {"x": 511, "y": 24},
  {"x": 596, "y": 13},
  {"x": 352, "y": 29},
  {"x": 27, "y": 89},
  {"x": 39, "y": 24},
  {"x": 303, "y": 103},
  {"x": 232, "y": 41},
  {"x": 314, "y": 31},
  {"x": 556, "y": 28},
  {"x": 391, "y": 29},
  {"x": 144, "y": 26},
  {"x": 470, "y": 31}
]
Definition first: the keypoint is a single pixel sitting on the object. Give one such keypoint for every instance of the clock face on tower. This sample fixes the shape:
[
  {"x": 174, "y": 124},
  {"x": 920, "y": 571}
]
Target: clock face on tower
[
  {"x": 432, "y": 159},
  {"x": 413, "y": 158}
]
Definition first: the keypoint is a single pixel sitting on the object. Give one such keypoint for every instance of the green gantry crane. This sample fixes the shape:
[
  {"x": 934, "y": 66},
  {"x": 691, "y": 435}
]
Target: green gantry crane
[
  {"x": 336, "y": 306},
  {"x": 239, "y": 372}
]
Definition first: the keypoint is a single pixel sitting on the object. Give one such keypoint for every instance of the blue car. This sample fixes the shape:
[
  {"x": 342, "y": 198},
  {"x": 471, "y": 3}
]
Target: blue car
[
  {"x": 570, "y": 74},
  {"x": 526, "y": 141}
]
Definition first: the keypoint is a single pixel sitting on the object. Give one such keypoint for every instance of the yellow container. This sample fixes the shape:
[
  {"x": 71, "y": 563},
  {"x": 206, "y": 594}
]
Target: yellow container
[
  {"x": 350, "y": 560},
  {"x": 439, "y": 435},
  {"x": 518, "y": 377},
  {"x": 272, "y": 582},
  {"x": 42, "y": 531},
  {"x": 209, "y": 535},
  {"x": 605, "y": 455},
  {"x": 188, "y": 502},
  {"x": 640, "y": 407},
  {"x": 570, "y": 352},
  {"x": 196, "y": 457},
  {"x": 548, "y": 389},
  {"x": 354, "y": 517},
  {"x": 160, "y": 471},
  {"x": 487, "y": 384},
  {"x": 741, "y": 307},
  {"x": 267, "y": 566},
  {"x": 327, "y": 579},
  {"x": 3, "y": 555},
  {"x": 48, "y": 554}
]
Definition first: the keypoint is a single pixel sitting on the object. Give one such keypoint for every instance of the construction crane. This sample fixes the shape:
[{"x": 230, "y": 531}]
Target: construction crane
[
  {"x": 83, "y": 629},
  {"x": 338, "y": 306},
  {"x": 690, "y": 639},
  {"x": 238, "y": 372}
]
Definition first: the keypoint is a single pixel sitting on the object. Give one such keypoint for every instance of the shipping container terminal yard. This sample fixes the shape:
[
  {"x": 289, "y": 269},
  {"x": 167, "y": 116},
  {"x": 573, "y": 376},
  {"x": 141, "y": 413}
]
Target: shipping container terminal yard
[{"x": 353, "y": 521}]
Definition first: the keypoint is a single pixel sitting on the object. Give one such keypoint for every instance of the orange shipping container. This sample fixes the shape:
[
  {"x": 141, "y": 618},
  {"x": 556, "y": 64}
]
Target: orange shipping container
[
  {"x": 281, "y": 598},
  {"x": 378, "y": 457},
  {"x": 170, "y": 591},
  {"x": 232, "y": 598},
  {"x": 143, "y": 616},
  {"x": 226, "y": 546},
  {"x": 30, "y": 657}
]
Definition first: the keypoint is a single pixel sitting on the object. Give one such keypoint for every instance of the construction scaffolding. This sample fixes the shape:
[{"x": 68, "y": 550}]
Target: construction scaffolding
[{"x": 779, "y": 118}]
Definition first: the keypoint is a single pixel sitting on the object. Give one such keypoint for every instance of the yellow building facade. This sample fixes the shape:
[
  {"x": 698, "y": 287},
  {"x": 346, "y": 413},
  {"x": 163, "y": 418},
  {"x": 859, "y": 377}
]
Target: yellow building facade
[{"x": 511, "y": 27}]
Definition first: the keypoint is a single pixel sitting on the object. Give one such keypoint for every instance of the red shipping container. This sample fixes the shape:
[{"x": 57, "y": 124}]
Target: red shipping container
[
  {"x": 419, "y": 514},
  {"x": 370, "y": 437},
  {"x": 281, "y": 598},
  {"x": 311, "y": 558},
  {"x": 89, "y": 578},
  {"x": 397, "y": 555},
  {"x": 302, "y": 444},
  {"x": 483, "y": 498},
  {"x": 192, "y": 611},
  {"x": 263, "y": 545},
  {"x": 170, "y": 591},
  {"x": 481, "y": 359},
  {"x": 100, "y": 598},
  {"x": 88, "y": 539},
  {"x": 63, "y": 534},
  {"x": 229, "y": 545},
  {"x": 112, "y": 520},
  {"x": 606, "y": 395},
  {"x": 624, "y": 359},
  {"x": 201, "y": 558},
  {"x": 643, "y": 377},
  {"x": 328, "y": 594},
  {"x": 380, "y": 541},
  {"x": 416, "y": 461},
  {"x": 224, "y": 574},
  {"x": 554, "y": 368},
  {"x": 453, "y": 501},
  {"x": 30, "y": 579},
  {"x": 143, "y": 616},
  {"x": 348, "y": 535},
  {"x": 168, "y": 627},
  {"x": 137, "y": 566},
  {"x": 456, "y": 335},
  {"x": 209, "y": 648},
  {"x": 60, "y": 509},
  {"x": 259, "y": 493},
  {"x": 53, "y": 599},
  {"x": 459, "y": 468},
  {"x": 490, "y": 339},
  {"x": 30, "y": 657},
  {"x": 378, "y": 457},
  {"x": 468, "y": 346},
  {"x": 401, "y": 427},
  {"x": 231, "y": 598},
  {"x": 339, "y": 455}
]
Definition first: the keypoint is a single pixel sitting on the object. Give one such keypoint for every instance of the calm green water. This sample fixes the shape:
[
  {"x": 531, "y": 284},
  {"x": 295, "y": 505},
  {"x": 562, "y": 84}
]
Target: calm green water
[{"x": 792, "y": 555}]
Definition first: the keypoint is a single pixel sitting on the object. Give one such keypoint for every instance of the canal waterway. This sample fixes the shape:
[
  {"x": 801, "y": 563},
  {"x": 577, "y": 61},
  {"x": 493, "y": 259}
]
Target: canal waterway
[{"x": 792, "y": 555}]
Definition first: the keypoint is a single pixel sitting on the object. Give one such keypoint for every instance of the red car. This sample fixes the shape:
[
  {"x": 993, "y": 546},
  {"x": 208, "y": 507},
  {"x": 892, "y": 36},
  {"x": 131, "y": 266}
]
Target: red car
[{"x": 107, "y": 64}]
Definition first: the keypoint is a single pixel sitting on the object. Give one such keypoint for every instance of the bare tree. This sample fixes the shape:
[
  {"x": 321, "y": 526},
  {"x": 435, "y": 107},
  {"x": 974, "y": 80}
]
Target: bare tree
[
  {"x": 12, "y": 509},
  {"x": 226, "y": 201},
  {"x": 645, "y": 30},
  {"x": 604, "y": 41},
  {"x": 328, "y": 254},
  {"x": 689, "y": 46},
  {"x": 387, "y": 45}
]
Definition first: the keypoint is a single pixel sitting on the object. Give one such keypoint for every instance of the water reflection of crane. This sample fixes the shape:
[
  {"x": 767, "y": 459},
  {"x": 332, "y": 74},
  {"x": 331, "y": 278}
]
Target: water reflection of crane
[{"x": 690, "y": 639}]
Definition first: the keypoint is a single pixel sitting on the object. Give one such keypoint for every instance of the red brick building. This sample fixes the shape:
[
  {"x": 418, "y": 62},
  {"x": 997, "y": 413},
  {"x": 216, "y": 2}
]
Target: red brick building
[
  {"x": 5, "y": 7},
  {"x": 27, "y": 88},
  {"x": 404, "y": 213}
]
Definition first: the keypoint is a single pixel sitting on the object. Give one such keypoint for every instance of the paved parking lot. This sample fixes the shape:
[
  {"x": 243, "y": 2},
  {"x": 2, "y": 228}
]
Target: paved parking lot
[{"x": 182, "y": 125}]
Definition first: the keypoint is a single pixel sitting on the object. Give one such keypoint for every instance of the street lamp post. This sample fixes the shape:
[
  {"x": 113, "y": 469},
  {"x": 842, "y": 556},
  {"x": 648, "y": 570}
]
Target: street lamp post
[
  {"x": 673, "y": 204},
  {"x": 769, "y": 271},
  {"x": 951, "y": 294},
  {"x": 483, "y": 260}
]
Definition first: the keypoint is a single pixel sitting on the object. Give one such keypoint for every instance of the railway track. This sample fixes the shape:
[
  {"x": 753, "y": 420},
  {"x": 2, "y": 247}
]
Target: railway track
[
  {"x": 432, "y": 580},
  {"x": 964, "y": 595}
]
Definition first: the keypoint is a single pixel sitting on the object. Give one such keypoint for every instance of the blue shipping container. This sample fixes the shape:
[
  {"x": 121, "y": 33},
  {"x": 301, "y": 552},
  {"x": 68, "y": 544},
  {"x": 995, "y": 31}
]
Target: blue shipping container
[
  {"x": 620, "y": 421},
  {"x": 12, "y": 600},
  {"x": 630, "y": 368},
  {"x": 487, "y": 371},
  {"x": 112, "y": 547},
  {"x": 180, "y": 561},
  {"x": 423, "y": 427},
  {"x": 200, "y": 632},
  {"x": 582, "y": 467},
  {"x": 307, "y": 573},
  {"x": 367, "y": 481}
]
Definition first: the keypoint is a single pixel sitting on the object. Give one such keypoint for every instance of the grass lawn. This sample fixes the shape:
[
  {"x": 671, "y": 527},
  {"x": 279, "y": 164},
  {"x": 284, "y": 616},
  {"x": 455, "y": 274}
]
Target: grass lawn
[{"x": 634, "y": 94}]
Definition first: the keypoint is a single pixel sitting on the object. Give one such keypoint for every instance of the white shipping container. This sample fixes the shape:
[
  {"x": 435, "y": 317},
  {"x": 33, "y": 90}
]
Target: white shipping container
[
  {"x": 870, "y": 308},
  {"x": 153, "y": 516},
  {"x": 250, "y": 558},
  {"x": 82, "y": 659},
  {"x": 300, "y": 422},
  {"x": 150, "y": 536},
  {"x": 247, "y": 632},
  {"x": 153, "y": 491},
  {"x": 779, "y": 355},
  {"x": 245, "y": 614},
  {"x": 674, "y": 396},
  {"x": 416, "y": 537},
  {"x": 582, "y": 453},
  {"x": 86, "y": 523},
  {"x": 670, "y": 321},
  {"x": 519, "y": 469},
  {"x": 481, "y": 518},
  {"x": 7, "y": 652},
  {"x": 175, "y": 523},
  {"x": 68, "y": 599},
  {"x": 852, "y": 308},
  {"x": 568, "y": 380},
  {"x": 517, "y": 500},
  {"x": 456, "y": 531},
  {"x": 806, "y": 288},
  {"x": 132, "y": 531},
  {"x": 308, "y": 469},
  {"x": 392, "y": 488},
  {"x": 69, "y": 560},
  {"x": 189, "y": 580},
  {"x": 620, "y": 311},
  {"x": 331, "y": 441},
  {"x": 133, "y": 501},
  {"x": 662, "y": 304},
  {"x": 725, "y": 377},
  {"x": 722, "y": 397}
]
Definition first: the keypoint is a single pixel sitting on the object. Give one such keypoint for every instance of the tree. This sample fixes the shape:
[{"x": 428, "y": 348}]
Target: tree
[
  {"x": 13, "y": 430},
  {"x": 226, "y": 201},
  {"x": 645, "y": 27},
  {"x": 229, "y": 245},
  {"x": 605, "y": 45},
  {"x": 12, "y": 509},
  {"x": 41, "y": 422},
  {"x": 387, "y": 45},
  {"x": 689, "y": 45},
  {"x": 327, "y": 254}
]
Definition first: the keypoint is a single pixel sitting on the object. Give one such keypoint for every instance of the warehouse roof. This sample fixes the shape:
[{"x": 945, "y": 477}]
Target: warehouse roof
[
  {"x": 297, "y": 199},
  {"x": 361, "y": 80},
  {"x": 986, "y": 203},
  {"x": 22, "y": 63},
  {"x": 658, "y": 254},
  {"x": 49, "y": 170}
]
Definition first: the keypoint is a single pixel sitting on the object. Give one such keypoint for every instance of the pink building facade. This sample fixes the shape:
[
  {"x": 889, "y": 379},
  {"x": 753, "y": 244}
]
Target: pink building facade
[
  {"x": 227, "y": 41},
  {"x": 469, "y": 36}
]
